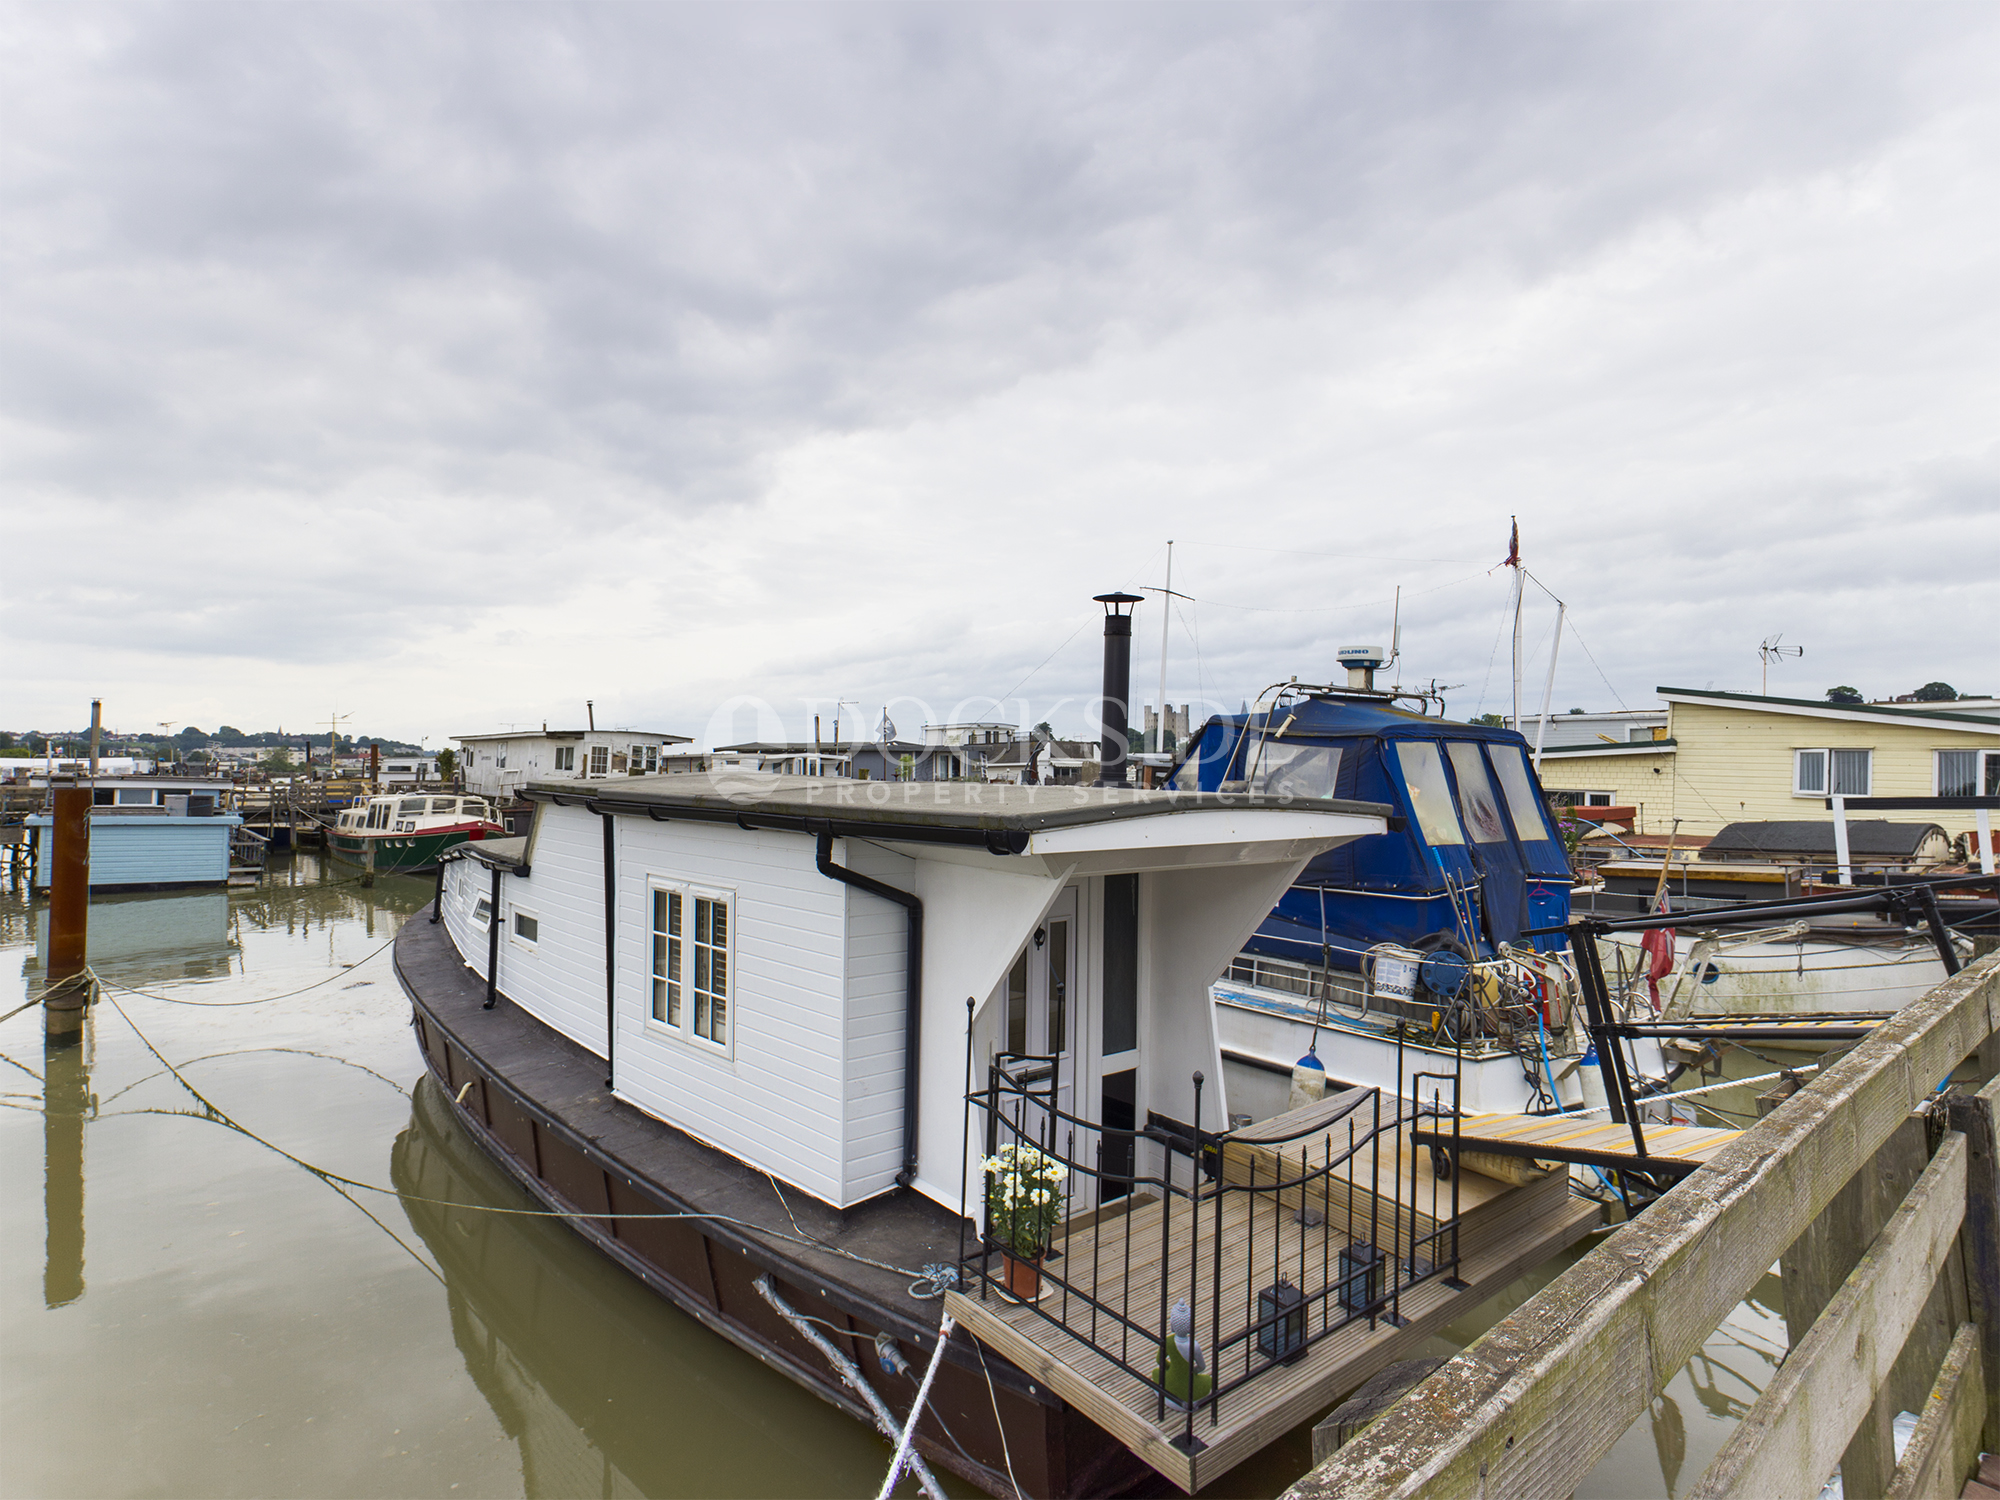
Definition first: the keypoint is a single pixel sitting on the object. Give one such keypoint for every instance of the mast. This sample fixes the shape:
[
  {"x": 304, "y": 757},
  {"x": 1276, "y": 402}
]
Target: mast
[
  {"x": 1166, "y": 596},
  {"x": 1514, "y": 562}
]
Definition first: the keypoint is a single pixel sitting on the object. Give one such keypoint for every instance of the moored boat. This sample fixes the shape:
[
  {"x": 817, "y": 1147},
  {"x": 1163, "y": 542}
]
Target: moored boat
[{"x": 407, "y": 832}]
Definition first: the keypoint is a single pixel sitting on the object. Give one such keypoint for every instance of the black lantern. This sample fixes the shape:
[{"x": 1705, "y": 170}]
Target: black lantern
[
  {"x": 1360, "y": 1277},
  {"x": 1281, "y": 1322}
]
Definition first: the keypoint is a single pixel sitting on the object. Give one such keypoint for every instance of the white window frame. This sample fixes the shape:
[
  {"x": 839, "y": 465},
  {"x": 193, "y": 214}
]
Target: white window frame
[
  {"x": 1983, "y": 763},
  {"x": 482, "y": 912},
  {"x": 599, "y": 761},
  {"x": 565, "y": 758},
  {"x": 514, "y": 935},
  {"x": 1826, "y": 754},
  {"x": 684, "y": 1029}
]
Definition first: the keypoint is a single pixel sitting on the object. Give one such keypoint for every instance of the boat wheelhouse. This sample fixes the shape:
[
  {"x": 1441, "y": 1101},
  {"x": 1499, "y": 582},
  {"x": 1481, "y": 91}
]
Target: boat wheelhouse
[
  {"x": 1444, "y": 935},
  {"x": 764, "y": 1038},
  {"x": 408, "y": 831}
]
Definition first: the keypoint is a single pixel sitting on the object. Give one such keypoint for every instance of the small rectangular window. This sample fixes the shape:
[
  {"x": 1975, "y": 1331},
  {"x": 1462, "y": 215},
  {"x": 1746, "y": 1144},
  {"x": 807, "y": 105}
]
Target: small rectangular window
[
  {"x": 1851, "y": 772},
  {"x": 1958, "y": 773},
  {"x": 1810, "y": 776},
  {"x": 667, "y": 957},
  {"x": 482, "y": 913},
  {"x": 711, "y": 970},
  {"x": 526, "y": 928},
  {"x": 600, "y": 760},
  {"x": 566, "y": 758}
]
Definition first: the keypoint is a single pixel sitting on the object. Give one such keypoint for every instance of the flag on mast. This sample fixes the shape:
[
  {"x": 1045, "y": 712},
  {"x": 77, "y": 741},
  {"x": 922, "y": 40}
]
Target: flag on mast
[{"x": 1514, "y": 546}]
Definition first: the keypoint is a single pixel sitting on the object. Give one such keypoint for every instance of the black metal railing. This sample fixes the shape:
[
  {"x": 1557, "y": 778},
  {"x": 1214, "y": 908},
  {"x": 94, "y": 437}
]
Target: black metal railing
[{"x": 1275, "y": 1239}]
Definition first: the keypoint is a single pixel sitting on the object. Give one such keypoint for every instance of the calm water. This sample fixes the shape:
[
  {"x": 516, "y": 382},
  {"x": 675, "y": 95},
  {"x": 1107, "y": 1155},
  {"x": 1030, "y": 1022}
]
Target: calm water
[{"x": 188, "y": 1308}]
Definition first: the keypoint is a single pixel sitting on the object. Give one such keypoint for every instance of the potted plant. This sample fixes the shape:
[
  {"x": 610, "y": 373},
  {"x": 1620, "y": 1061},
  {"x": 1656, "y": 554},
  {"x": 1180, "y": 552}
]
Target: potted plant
[{"x": 1024, "y": 1201}]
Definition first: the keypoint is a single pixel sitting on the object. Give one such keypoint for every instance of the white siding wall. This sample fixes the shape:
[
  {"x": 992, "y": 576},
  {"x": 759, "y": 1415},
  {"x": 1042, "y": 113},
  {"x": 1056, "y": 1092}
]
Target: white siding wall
[
  {"x": 877, "y": 939},
  {"x": 777, "y": 1100},
  {"x": 559, "y": 980}
]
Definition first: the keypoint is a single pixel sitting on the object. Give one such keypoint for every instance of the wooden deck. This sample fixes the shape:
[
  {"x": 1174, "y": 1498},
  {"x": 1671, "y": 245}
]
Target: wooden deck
[
  {"x": 1117, "y": 1259},
  {"x": 1597, "y": 1142}
]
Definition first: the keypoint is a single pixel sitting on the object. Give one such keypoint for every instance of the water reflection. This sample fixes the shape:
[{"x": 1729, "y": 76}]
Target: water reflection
[
  {"x": 66, "y": 1103},
  {"x": 605, "y": 1388},
  {"x": 168, "y": 935}
]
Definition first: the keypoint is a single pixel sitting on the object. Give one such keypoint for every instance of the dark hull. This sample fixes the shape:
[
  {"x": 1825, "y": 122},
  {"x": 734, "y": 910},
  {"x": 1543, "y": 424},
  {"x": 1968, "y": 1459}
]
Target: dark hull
[{"x": 536, "y": 1103}]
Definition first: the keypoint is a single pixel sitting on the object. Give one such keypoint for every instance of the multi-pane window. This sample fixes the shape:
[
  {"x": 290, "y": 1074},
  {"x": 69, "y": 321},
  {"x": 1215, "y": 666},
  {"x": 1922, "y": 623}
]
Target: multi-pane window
[
  {"x": 667, "y": 953},
  {"x": 711, "y": 970},
  {"x": 1968, "y": 773},
  {"x": 1832, "y": 773},
  {"x": 600, "y": 760},
  {"x": 691, "y": 987}
]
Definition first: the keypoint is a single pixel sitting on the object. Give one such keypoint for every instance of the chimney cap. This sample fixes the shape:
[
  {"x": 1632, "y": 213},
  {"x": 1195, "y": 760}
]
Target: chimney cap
[{"x": 1112, "y": 601}]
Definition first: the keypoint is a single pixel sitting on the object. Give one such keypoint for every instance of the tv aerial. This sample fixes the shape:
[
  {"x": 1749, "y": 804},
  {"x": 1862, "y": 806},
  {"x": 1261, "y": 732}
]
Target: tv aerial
[{"x": 1770, "y": 650}]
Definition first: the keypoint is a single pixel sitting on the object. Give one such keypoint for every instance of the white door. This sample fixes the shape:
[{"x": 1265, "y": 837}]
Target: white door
[{"x": 1044, "y": 1018}]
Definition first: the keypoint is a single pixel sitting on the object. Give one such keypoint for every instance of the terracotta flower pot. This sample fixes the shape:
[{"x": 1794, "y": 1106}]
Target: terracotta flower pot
[{"x": 1022, "y": 1278}]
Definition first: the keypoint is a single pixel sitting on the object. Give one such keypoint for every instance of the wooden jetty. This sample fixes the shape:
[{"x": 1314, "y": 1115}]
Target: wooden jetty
[{"x": 1879, "y": 1194}]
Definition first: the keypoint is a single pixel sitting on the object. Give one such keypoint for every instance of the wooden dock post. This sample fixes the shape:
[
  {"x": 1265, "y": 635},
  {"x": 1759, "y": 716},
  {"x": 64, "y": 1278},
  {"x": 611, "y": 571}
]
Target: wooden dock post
[
  {"x": 67, "y": 985},
  {"x": 1980, "y": 1243}
]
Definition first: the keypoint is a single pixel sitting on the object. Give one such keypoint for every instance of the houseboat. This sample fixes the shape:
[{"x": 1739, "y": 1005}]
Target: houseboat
[
  {"x": 407, "y": 831},
  {"x": 822, "y": 1061},
  {"x": 150, "y": 833},
  {"x": 1823, "y": 965}
]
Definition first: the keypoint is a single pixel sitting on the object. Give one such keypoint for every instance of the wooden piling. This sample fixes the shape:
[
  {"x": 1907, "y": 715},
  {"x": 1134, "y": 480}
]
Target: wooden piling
[{"x": 69, "y": 914}]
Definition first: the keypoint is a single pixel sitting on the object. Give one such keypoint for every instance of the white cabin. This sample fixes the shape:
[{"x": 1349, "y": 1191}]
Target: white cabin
[
  {"x": 759, "y": 1001},
  {"x": 500, "y": 764}
]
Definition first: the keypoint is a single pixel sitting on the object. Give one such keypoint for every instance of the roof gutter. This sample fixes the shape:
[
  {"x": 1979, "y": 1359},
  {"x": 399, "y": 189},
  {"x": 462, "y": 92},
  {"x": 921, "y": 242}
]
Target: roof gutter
[
  {"x": 992, "y": 840},
  {"x": 913, "y": 987}
]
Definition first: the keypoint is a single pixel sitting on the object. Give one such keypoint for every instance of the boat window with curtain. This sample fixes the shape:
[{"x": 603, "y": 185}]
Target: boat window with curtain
[
  {"x": 1477, "y": 802},
  {"x": 1430, "y": 795},
  {"x": 1510, "y": 763}
]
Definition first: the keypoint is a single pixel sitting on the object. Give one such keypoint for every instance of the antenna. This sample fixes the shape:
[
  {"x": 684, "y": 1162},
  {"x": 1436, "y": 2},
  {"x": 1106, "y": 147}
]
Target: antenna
[
  {"x": 1771, "y": 649},
  {"x": 333, "y": 722}
]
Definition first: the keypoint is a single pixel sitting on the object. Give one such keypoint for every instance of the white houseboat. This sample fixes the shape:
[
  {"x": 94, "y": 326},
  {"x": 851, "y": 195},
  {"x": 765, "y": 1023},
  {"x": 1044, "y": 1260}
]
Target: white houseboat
[{"x": 764, "y": 1038}]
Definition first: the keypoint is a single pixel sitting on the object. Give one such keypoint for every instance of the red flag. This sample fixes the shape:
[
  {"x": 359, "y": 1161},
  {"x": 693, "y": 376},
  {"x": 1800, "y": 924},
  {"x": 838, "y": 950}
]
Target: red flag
[{"x": 1514, "y": 547}]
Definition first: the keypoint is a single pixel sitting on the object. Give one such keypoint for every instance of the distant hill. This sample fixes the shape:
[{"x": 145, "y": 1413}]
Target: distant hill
[{"x": 227, "y": 737}]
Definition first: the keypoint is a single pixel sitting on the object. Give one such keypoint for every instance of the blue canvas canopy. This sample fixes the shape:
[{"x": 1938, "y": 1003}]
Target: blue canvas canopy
[{"x": 1476, "y": 861}]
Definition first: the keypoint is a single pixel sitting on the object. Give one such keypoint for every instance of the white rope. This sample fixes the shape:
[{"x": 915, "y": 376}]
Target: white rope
[
  {"x": 1712, "y": 1088},
  {"x": 885, "y": 1420},
  {"x": 903, "y": 1453}
]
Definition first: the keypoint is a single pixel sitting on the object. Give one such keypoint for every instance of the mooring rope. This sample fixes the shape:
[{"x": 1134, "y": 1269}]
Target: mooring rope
[{"x": 903, "y": 1454}]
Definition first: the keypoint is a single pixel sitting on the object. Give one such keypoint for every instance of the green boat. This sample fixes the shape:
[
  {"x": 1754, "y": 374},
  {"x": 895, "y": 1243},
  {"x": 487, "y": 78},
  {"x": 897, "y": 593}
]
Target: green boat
[{"x": 407, "y": 831}]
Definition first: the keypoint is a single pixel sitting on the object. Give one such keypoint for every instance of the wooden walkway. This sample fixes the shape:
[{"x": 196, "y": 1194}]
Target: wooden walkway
[
  {"x": 1510, "y": 1233},
  {"x": 1592, "y": 1141}
]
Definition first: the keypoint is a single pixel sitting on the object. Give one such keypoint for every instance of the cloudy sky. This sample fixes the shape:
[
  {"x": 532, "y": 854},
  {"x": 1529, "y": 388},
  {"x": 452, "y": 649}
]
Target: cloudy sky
[{"x": 449, "y": 366}]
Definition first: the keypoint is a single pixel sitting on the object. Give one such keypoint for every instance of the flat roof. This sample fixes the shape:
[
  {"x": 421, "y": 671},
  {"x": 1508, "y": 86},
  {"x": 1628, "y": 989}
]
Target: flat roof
[
  {"x": 569, "y": 734},
  {"x": 969, "y": 806}
]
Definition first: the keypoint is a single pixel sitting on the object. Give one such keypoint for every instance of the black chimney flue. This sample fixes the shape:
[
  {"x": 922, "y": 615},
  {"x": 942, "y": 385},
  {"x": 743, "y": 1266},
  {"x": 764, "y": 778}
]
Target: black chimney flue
[{"x": 1112, "y": 710}]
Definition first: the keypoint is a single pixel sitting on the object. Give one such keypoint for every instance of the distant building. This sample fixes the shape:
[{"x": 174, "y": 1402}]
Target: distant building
[
  {"x": 1625, "y": 726},
  {"x": 495, "y": 765},
  {"x": 1741, "y": 757}
]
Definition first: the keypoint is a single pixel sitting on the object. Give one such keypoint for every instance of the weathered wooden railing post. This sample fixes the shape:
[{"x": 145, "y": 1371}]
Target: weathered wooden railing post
[
  {"x": 1530, "y": 1408},
  {"x": 1980, "y": 1241}
]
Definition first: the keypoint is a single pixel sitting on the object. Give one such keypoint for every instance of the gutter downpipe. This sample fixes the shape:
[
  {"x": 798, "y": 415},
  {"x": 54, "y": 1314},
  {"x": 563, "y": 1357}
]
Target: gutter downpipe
[
  {"x": 610, "y": 946},
  {"x": 493, "y": 943},
  {"x": 913, "y": 989}
]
